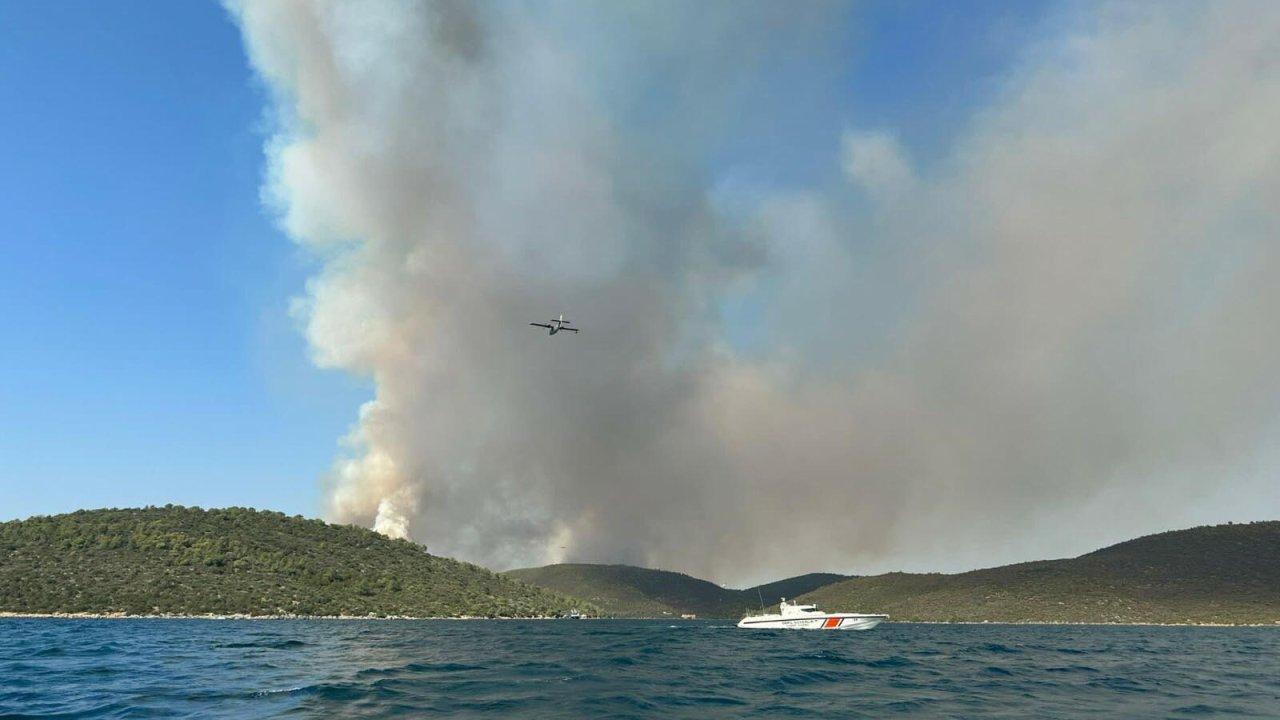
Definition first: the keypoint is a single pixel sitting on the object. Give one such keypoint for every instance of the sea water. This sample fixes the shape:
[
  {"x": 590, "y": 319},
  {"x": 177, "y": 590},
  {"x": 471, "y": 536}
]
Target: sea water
[{"x": 160, "y": 668}]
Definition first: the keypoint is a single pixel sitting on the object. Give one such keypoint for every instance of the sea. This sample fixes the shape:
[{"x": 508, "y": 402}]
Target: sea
[{"x": 191, "y": 668}]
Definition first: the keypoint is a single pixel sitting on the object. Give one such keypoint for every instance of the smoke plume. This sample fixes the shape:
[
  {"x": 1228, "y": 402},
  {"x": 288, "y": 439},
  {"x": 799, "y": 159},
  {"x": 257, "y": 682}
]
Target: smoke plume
[{"x": 1061, "y": 332}]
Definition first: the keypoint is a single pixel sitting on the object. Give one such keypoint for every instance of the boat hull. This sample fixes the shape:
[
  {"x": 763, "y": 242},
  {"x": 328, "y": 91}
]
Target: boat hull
[{"x": 825, "y": 621}]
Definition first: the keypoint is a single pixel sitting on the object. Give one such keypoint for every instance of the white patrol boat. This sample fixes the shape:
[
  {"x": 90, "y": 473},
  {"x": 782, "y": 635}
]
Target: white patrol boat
[{"x": 809, "y": 617}]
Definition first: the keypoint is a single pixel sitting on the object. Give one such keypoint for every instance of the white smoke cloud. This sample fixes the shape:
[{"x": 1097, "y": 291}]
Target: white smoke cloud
[
  {"x": 1075, "y": 307},
  {"x": 875, "y": 160}
]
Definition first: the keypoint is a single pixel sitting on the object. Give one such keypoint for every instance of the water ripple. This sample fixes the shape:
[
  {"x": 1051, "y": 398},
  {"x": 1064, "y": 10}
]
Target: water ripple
[{"x": 625, "y": 669}]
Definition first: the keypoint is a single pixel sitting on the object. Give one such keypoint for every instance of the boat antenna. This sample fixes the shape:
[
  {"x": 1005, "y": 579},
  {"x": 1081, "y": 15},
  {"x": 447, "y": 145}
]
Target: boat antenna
[{"x": 759, "y": 595}]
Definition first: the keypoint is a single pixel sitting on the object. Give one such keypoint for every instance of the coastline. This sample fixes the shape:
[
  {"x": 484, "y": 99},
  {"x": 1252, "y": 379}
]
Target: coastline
[
  {"x": 1085, "y": 624},
  {"x": 6, "y": 615}
]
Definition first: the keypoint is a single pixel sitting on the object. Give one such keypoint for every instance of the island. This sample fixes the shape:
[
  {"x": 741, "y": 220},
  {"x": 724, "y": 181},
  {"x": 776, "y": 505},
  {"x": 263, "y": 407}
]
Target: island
[{"x": 187, "y": 561}]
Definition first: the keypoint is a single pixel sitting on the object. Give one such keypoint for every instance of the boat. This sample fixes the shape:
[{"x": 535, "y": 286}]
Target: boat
[
  {"x": 792, "y": 616},
  {"x": 575, "y": 615}
]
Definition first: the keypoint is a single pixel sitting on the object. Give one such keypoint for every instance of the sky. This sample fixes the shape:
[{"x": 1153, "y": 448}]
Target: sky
[
  {"x": 926, "y": 285},
  {"x": 146, "y": 350}
]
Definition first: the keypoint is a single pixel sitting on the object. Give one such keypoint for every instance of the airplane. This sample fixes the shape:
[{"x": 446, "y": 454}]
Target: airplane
[{"x": 556, "y": 325}]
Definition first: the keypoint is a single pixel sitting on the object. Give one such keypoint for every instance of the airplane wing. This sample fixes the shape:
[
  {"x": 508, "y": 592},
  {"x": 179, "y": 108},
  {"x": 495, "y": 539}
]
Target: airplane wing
[
  {"x": 541, "y": 325},
  {"x": 570, "y": 329}
]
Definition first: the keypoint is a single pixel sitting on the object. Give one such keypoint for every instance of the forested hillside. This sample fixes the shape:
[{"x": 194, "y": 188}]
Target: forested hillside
[
  {"x": 1218, "y": 574},
  {"x": 628, "y": 591},
  {"x": 191, "y": 561}
]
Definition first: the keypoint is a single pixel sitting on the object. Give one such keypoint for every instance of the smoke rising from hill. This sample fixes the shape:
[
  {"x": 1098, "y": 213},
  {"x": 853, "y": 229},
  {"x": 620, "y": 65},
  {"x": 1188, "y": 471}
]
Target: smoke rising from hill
[{"x": 1061, "y": 333}]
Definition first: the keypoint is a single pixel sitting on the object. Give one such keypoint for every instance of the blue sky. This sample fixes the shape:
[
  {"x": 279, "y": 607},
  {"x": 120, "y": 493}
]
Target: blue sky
[
  {"x": 146, "y": 354},
  {"x": 146, "y": 351}
]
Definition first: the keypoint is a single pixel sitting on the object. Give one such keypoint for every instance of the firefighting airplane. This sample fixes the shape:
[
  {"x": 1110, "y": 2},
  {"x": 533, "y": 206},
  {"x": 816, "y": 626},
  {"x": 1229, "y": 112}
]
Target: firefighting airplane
[{"x": 555, "y": 325}]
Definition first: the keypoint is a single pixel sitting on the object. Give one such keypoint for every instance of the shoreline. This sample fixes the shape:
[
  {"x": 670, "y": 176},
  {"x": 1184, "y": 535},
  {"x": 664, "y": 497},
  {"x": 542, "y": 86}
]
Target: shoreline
[
  {"x": 6, "y": 615},
  {"x": 1086, "y": 624}
]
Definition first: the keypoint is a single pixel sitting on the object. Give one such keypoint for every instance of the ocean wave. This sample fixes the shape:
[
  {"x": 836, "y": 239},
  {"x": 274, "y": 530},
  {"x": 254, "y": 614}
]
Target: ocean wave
[
  {"x": 264, "y": 644},
  {"x": 622, "y": 669}
]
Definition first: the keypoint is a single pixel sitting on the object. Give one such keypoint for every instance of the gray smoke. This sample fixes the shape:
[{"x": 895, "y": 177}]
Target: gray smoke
[{"x": 1061, "y": 333}]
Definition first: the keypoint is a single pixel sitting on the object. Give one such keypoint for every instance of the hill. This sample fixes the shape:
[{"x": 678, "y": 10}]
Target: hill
[
  {"x": 788, "y": 588},
  {"x": 1218, "y": 574},
  {"x": 628, "y": 591},
  {"x": 240, "y": 561}
]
